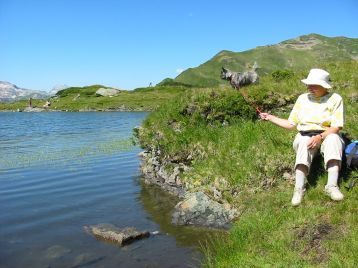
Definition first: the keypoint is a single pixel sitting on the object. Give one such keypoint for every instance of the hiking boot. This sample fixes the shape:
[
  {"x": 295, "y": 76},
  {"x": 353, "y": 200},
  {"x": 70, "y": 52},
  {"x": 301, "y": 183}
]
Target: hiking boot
[
  {"x": 297, "y": 196},
  {"x": 333, "y": 192}
]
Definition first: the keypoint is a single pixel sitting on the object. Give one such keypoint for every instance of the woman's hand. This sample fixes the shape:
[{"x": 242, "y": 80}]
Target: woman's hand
[
  {"x": 266, "y": 116},
  {"x": 314, "y": 142}
]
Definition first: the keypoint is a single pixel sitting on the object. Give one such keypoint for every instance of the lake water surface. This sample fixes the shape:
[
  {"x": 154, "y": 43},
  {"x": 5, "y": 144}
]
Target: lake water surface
[{"x": 62, "y": 171}]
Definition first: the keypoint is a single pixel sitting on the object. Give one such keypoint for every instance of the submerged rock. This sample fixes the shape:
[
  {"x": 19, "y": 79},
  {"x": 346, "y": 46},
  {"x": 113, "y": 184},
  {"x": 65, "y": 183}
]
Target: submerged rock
[
  {"x": 120, "y": 236},
  {"x": 56, "y": 252},
  {"x": 198, "y": 209},
  {"x": 86, "y": 259}
]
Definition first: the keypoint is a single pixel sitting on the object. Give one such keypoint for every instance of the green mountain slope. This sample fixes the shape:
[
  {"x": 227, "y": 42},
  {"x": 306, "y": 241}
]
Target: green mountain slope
[{"x": 303, "y": 52}]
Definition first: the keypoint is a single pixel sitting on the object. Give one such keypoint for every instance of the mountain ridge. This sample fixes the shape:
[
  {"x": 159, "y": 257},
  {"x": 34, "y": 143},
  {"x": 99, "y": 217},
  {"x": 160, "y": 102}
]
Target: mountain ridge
[
  {"x": 10, "y": 92},
  {"x": 297, "y": 53}
]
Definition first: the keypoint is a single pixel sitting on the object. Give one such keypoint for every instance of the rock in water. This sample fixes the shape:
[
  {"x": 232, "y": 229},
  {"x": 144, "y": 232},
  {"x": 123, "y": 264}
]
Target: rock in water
[
  {"x": 56, "y": 252},
  {"x": 198, "y": 209},
  {"x": 111, "y": 233},
  {"x": 86, "y": 259}
]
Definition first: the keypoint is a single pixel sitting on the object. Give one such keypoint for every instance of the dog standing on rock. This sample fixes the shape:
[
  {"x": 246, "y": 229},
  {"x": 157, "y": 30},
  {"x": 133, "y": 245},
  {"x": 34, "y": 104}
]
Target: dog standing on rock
[{"x": 237, "y": 80}]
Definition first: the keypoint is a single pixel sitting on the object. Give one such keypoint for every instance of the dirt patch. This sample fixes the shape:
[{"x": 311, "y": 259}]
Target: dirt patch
[{"x": 312, "y": 237}]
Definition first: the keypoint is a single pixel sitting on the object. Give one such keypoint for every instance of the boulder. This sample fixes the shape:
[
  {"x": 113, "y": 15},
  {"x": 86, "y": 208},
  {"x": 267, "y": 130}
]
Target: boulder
[
  {"x": 108, "y": 92},
  {"x": 198, "y": 209},
  {"x": 111, "y": 233}
]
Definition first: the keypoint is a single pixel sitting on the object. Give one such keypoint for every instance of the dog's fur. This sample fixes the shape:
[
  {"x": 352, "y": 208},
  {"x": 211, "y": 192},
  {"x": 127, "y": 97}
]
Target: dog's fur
[{"x": 238, "y": 80}]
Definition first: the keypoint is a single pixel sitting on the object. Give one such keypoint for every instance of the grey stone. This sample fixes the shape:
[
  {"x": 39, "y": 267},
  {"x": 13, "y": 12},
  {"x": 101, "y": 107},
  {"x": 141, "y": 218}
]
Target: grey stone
[
  {"x": 198, "y": 209},
  {"x": 107, "y": 91},
  {"x": 120, "y": 236}
]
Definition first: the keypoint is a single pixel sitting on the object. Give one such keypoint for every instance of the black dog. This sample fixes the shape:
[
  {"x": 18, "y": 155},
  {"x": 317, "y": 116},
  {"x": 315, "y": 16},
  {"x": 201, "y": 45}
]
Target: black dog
[{"x": 238, "y": 80}]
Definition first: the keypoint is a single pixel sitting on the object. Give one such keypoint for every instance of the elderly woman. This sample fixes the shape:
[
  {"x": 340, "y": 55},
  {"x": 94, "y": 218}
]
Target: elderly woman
[{"x": 318, "y": 117}]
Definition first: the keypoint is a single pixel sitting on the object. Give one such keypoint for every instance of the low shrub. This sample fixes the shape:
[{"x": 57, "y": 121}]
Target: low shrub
[{"x": 280, "y": 75}]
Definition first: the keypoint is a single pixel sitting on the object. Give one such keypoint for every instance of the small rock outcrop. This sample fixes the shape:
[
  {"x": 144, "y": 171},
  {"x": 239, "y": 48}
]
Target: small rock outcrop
[
  {"x": 154, "y": 170},
  {"x": 198, "y": 209},
  {"x": 111, "y": 233},
  {"x": 108, "y": 92}
]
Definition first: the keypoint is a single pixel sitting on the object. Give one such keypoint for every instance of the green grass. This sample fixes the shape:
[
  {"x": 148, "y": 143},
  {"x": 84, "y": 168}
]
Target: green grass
[
  {"x": 250, "y": 162},
  {"x": 271, "y": 233}
]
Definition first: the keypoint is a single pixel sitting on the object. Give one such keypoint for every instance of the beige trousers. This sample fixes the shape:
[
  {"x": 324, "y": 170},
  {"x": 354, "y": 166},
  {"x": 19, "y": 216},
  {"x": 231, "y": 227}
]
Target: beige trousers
[{"x": 331, "y": 149}]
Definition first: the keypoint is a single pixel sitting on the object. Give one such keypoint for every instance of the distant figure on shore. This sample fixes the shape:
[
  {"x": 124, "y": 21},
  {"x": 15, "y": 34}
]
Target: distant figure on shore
[
  {"x": 150, "y": 84},
  {"x": 30, "y": 102}
]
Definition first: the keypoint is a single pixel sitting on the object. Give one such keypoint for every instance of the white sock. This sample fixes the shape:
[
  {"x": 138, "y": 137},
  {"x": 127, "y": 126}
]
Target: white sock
[
  {"x": 300, "y": 179},
  {"x": 333, "y": 173}
]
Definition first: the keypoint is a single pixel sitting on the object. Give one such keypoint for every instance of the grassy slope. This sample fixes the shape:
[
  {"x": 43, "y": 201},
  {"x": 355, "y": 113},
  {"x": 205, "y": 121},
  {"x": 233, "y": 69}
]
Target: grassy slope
[
  {"x": 145, "y": 99},
  {"x": 286, "y": 55},
  {"x": 217, "y": 133}
]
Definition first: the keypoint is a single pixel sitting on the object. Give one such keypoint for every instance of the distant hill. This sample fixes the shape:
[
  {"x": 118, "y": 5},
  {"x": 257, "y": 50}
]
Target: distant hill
[
  {"x": 296, "y": 54},
  {"x": 10, "y": 92},
  {"x": 57, "y": 88},
  {"x": 86, "y": 90}
]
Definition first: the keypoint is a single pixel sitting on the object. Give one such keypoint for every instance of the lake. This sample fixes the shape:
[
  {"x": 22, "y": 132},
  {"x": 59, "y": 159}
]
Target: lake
[{"x": 62, "y": 171}]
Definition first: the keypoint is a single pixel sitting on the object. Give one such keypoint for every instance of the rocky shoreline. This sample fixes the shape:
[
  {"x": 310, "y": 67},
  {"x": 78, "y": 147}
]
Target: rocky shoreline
[{"x": 195, "y": 208}]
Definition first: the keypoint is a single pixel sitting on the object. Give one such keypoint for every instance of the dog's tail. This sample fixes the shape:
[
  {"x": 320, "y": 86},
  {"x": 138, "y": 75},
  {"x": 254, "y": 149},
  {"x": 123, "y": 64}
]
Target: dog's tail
[{"x": 255, "y": 66}]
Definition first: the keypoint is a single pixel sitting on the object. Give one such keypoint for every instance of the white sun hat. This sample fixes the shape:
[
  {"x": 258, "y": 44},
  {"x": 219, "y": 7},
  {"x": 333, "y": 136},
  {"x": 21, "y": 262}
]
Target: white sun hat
[{"x": 317, "y": 77}]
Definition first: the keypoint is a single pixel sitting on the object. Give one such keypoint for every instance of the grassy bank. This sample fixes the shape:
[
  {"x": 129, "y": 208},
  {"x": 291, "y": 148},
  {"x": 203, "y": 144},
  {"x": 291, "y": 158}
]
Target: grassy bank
[
  {"x": 236, "y": 158},
  {"x": 86, "y": 99}
]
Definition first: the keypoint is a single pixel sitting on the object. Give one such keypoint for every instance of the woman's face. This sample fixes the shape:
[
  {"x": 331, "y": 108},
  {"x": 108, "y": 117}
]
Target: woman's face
[{"x": 317, "y": 90}]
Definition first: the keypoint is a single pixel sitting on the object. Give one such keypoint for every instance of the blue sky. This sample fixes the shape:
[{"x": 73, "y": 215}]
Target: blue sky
[{"x": 128, "y": 44}]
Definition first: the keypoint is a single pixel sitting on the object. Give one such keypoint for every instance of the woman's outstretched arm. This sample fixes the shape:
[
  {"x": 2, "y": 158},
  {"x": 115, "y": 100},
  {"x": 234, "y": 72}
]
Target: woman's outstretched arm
[{"x": 284, "y": 123}]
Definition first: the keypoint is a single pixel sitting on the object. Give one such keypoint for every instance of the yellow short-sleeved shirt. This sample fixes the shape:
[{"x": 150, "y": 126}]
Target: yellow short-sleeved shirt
[{"x": 312, "y": 113}]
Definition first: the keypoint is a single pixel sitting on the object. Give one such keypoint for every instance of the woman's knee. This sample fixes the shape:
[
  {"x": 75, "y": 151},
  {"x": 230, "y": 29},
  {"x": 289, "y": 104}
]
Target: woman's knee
[
  {"x": 332, "y": 143},
  {"x": 332, "y": 138}
]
